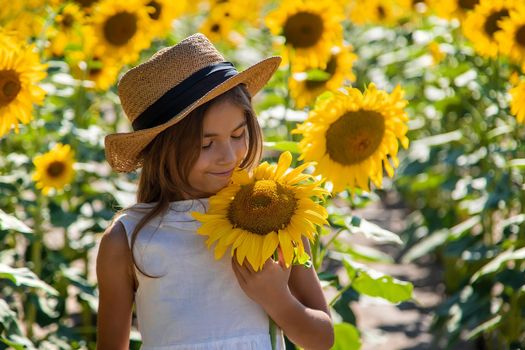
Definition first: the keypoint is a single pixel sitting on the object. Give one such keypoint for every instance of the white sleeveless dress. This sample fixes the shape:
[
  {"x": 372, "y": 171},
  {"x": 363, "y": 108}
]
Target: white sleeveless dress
[{"x": 197, "y": 303}]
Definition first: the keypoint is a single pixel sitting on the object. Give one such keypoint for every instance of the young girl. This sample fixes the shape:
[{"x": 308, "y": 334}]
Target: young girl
[{"x": 193, "y": 125}]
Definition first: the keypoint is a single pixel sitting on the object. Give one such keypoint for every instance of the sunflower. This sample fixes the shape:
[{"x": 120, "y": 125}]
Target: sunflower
[
  {"x": 54, "y": 169},
  {"x": 163, "y": 14},
  {"x": 87, "y": 65},
  {"x": 517, "y": 102},
  {"x": 26, "y": 18},
  {"x": 483, "y": 22},
  {"x": 450, "y": 9},
  {"x": 121, "y": 29},
  {"x": 218, "y": 25},
  {"x": 382, "y": 12},
  {"x": 310, "y": 28},
  {"x": 66, "y": 29},
  {"x": 512, "y": 35},
  {"x": 101, "y": 71},
  {"x": 304, "y": 90},
  {"x": 256, "y": 214},
  {"x": 20, "y": 72},
  {"x": 351, "y": 134}
]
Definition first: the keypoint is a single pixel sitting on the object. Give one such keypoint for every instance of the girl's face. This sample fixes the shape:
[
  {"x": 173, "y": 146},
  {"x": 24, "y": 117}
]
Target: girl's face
[{"x": 224, "y": 146}]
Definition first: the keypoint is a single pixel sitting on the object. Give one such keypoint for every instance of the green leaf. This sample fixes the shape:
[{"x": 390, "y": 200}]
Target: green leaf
[
  {"x": 317, "y": 75},
  {"x": 438, "y": 238},
  {"x": 283, "y": 146},
  {"x": 513, "y": 220},
  {"x": 346, "y": 337},
  {"x": 517, "y": 163},
  {"x": 377, "y": 284},
  {"x": 362, "y": 252},
  {"x": 486, "y": 326},
  {"x": 499, "y": 262},
  {"x": 437, "y": 140},
  {"x": 8, "y": 319},
  {"x": 357, "y": 224},
  {"x": 9, "y": 222},
  {"x": 25, "y": 277}
]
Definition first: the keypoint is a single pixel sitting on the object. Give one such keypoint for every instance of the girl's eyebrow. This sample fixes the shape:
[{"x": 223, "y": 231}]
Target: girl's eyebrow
[{"x": 243, "y": 123}]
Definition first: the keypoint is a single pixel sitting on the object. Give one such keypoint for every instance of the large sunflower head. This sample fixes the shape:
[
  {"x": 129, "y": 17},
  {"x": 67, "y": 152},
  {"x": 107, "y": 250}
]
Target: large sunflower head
[
  {"x": 310, "y": 29},
  {"x": 353, "y": 136},
  {"x": 256, "y": 214},
  {"x": 121, "y": 29},
  {"x": 20, "y": 72},
  {"x": 511, "y": 37},
  {"x": 305, "y": 89},
  {"x": 483, "y": 22},
  {"x": 54, "y": 169}
]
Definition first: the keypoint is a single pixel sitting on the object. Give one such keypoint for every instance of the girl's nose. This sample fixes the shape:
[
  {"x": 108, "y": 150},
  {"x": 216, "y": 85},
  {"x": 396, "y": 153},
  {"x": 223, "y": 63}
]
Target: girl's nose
[{"x": 227, "y": 154}]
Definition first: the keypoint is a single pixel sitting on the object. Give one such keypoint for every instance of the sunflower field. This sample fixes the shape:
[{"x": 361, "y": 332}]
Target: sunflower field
[{"x": 424, "y": 98}]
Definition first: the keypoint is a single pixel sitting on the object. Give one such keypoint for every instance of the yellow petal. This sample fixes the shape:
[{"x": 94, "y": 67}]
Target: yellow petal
[
  {"x": 285, "y": 242},
  {"x": 285, "y": 160}
]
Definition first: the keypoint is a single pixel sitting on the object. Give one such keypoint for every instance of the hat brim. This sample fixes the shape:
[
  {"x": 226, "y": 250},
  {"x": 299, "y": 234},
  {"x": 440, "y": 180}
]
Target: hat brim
[{"x": 123, "y": 149}]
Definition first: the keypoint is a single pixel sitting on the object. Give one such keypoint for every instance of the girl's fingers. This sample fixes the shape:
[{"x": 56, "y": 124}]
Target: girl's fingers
[
  {"x": 281, "y": 257},
  {"x": 236, "y": 269},
  {"x": 248, "y": 267}
]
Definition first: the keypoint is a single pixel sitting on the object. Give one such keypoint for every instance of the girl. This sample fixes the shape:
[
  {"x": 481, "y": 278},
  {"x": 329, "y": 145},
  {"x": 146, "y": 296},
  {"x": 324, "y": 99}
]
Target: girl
[{"x": 193, "y": 125}]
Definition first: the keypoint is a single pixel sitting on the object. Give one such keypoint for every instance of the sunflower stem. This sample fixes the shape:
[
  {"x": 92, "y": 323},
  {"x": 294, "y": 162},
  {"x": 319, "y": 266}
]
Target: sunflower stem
[
  {"x": 338, "y": 295},
  {"x": 273, "y": 326},
  {"x": 334, "y": 237},
  {"x": 36, "y": 259},
  {"x": 287, "y": 99}
]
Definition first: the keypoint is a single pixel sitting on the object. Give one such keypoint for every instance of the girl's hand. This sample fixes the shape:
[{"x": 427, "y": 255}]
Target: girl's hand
[{"x": 266, "y": 286}]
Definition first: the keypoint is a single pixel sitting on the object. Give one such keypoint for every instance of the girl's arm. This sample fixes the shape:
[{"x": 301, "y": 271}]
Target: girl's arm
[
  {"x": 293, "y": 298},
  {"x": 116, "y": 285}
]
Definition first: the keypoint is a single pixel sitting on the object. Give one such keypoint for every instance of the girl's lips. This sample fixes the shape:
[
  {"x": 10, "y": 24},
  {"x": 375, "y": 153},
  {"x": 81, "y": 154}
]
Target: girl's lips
[{"x": 225, "y": 174}]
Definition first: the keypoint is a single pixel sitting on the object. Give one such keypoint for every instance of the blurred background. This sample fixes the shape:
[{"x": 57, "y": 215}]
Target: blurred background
[{"x": 426, "y": 243}]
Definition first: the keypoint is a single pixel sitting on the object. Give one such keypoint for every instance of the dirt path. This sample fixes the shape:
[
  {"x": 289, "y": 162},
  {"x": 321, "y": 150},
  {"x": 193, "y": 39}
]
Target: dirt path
[{"x": 405, "y": 326}]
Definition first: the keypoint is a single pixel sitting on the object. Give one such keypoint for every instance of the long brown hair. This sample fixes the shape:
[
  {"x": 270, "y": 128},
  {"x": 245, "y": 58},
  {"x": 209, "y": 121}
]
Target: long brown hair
[{"x": 168, "y": 159}]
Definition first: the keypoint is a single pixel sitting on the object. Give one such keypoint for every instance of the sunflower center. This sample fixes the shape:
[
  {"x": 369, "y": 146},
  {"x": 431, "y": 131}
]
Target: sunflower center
[
  {"x": 355, "y": 136},
  {"x": 467, "y": 4},
  {"x": 331, "y": 67},
  {"x": 520, "y": 36},
  {"x": 120, "y": 28},
  {"x": 9, "y": 86},
  {"x": 303, "y": 29},
  {"x": 381, "y": 13},
  {"x": 67, "y": 20},
  {"x": 215, "y": 28},
  {"x": 158, "y": 10},
  {"x": 262, "y": 207},
  {"x": 55, "y": 169},
  {"x": 491, "y": 24}
]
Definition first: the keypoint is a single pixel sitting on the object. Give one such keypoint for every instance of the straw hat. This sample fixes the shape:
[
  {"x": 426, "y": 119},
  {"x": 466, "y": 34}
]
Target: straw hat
[{"x": 167, "y": 87}]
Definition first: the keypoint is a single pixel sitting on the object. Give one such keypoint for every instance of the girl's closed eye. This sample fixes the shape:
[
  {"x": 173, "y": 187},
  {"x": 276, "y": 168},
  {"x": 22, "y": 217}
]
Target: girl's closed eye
[
  {"x": 236, "y": 137},
  {"x": 240, "y": 136}
]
